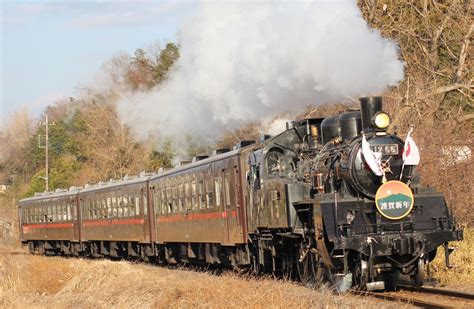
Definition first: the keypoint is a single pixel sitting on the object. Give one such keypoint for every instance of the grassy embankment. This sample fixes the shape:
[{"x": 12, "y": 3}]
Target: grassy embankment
[{"x": 462, "y": 259}]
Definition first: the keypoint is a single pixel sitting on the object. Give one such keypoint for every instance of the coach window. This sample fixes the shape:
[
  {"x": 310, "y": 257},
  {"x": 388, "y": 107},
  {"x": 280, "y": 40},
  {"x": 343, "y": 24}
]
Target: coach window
[
  {"x": 158, "y": 202},
  {"x": 194, "y": 201},
  {"x": 97, "y": 206},
  {"x": 52, "y": 216},
  {"x": 59, "y": 209},
  {"x": 63, "y": 208},
  {"x": 154, "y": 193},
  {"x": 100, "y": 204},
  {"x": 119, "y": 207},
  {"x": 175, "y": 198},
  {"x": 218, "y": 186},
  {"x": 181, "y": 197},
  {"x": 59, "y": 214},
  {"x": 68, "y": 210},
  {"x": 227, "y": 189},
  {"x": 89, "y": 205},
  {"x": 87, "y": 209},
  {"x": 145, "y": 203},
  {"x": 137, "y": 205},
  {"x": 202, "y": 197},
  {"x": 126, "y": 212},
  {"x": 114, "y": 206},
  {"x": 162, "y": 201},
  {"x": 187, "y": 194},
  {"x": 131, "y": 204},
  {"x": 108, "y": 202},
  {"x": 209, "y": 193},
  {"x": 169, "y": 200}
]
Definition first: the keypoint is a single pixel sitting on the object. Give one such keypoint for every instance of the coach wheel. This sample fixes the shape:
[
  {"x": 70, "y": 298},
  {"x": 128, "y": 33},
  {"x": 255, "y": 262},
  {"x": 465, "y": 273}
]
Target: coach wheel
[{"x": 418, "y": 277}]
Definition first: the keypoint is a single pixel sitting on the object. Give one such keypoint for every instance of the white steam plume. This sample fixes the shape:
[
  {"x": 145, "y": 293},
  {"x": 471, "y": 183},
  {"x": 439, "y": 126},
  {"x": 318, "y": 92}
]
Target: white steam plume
[{"x": 253, "y": 60}]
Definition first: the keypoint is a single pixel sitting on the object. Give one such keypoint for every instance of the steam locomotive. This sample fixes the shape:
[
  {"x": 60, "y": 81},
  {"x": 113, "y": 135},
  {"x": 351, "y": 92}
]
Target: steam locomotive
[{"x": 307, "y": 203}]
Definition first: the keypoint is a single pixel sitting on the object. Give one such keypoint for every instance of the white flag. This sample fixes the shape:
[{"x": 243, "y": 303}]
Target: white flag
[
  {"x": 372, "y": 159},
  {"x": 411, "y": 154}
]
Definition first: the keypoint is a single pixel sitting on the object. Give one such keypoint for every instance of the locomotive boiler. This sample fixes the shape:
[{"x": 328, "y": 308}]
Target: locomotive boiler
[{"x": 329, "y": 199}]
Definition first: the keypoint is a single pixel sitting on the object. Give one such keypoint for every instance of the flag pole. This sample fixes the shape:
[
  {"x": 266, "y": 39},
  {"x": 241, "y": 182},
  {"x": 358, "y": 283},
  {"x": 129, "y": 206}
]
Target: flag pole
[{"x": 403, "y": 155}]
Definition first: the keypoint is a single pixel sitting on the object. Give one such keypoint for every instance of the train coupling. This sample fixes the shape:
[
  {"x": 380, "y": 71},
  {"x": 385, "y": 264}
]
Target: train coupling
[{"x": 375, "y": 286}]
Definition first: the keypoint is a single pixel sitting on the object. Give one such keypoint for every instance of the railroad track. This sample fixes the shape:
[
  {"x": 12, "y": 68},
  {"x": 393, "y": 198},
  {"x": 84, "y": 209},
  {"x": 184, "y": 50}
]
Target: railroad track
[{"x": 432, "y": 298}]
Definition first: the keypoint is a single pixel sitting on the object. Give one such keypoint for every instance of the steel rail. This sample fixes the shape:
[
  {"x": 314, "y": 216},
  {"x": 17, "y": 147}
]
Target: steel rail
[
  {"x": 438, "y": 291},
  {"x": 413, "y": 301}
]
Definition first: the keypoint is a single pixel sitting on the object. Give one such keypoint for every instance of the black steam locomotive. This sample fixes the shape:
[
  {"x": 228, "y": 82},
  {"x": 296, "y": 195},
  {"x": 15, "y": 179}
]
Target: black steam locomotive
[
  {"x": 327, "y": 199},
  {"x": 357, "y": 226}
]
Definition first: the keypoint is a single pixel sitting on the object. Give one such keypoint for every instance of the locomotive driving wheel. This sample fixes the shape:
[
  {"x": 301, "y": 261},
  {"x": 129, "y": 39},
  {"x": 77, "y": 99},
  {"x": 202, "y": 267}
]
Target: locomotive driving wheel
[
  {"x": 309, "y": 266},
  {"x": 418, "y": 277},
  {"x": 360, "y": 274}
]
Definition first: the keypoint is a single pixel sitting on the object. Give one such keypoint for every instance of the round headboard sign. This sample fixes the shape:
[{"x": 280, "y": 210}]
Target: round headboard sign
[{"x": 394, "y": 200}]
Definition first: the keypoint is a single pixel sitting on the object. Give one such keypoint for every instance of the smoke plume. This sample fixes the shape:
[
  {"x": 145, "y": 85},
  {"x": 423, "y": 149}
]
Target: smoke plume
[{"x": 253, "y": 60}]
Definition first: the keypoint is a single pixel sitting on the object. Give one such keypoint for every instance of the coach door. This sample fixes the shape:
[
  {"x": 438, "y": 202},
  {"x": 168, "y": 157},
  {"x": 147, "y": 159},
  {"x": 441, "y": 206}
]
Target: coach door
[
  {"x": 76, "y": 217},
  {"x": 221, "y": 183},
  {"x": 144, "y": 213}
]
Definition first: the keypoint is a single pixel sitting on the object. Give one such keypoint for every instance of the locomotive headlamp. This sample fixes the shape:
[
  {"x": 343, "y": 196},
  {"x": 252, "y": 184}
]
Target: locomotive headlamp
[{"x": 381, "y": 120}]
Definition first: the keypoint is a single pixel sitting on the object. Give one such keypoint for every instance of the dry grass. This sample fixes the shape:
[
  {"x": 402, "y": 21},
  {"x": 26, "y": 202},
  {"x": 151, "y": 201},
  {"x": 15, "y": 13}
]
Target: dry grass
[
  {"x": 462, "y": 259},
  {"x": 35, "y": 281}
]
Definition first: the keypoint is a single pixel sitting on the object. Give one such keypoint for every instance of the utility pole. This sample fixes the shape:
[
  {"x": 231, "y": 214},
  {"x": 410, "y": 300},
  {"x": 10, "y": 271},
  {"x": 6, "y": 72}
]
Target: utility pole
[{"x": 46, "y": 124}]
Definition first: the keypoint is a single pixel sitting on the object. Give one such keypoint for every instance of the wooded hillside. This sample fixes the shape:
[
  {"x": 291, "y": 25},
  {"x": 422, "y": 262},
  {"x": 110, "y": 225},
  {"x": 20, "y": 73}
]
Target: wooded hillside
[{"x": 90, "y": 143}]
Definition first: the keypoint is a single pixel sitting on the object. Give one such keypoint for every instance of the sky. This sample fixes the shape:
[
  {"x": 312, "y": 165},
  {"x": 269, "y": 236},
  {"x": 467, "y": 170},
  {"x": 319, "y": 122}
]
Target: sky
[{"x": 49, "y": 49}]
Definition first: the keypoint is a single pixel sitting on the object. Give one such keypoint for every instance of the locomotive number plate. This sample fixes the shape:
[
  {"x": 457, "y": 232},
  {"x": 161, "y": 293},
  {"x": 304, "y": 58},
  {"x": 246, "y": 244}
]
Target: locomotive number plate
[{"x": 387, "y": 149}]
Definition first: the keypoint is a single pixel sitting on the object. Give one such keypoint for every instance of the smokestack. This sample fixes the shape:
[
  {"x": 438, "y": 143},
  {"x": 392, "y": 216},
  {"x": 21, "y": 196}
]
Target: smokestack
[{"x": 369, "y": 106}]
